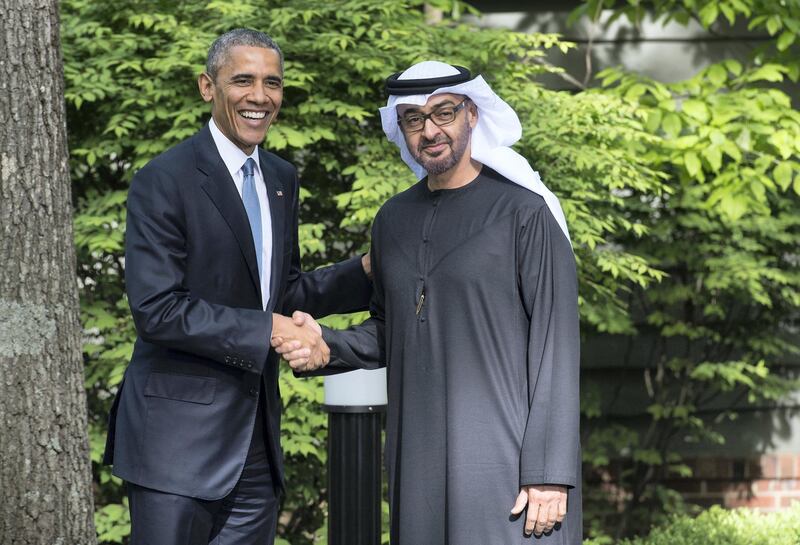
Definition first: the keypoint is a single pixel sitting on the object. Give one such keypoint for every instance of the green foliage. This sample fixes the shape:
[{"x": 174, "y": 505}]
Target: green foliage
[
  {"x": 725, "y": 235},
  {"x": 130, "y": 94},
  {"x": 720, "y": 527},
  {"x": 725, "y": 131},
  {"x": 681, "y": 200},
  {"x": 589, "y": 148},
  {"x": 113, "y": 522}
]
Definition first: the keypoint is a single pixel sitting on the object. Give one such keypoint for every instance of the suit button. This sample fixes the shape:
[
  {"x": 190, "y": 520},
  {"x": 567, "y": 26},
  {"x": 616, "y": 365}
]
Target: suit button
[
  {"x": 249, "y": 365},
  {"x": 252, "y": 391},
  {"x": 227, "y": 359}
]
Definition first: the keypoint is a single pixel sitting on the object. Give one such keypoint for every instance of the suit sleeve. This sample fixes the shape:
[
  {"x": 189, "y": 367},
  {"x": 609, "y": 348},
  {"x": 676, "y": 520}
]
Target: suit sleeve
[
  {"x": 548, "y": 286},
  {"x": 164, "y": 311},
  {"x": 337, "y": 289}
]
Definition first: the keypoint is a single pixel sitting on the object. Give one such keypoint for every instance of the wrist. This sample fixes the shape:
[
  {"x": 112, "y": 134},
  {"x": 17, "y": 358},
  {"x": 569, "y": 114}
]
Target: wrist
[
  {"x": 278, "y": 324},
  {"x": 366, "y": 264}
]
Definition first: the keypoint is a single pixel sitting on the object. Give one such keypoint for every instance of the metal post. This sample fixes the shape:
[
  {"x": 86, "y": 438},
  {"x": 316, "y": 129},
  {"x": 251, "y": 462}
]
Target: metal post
[{"x": 355, "y": 402}]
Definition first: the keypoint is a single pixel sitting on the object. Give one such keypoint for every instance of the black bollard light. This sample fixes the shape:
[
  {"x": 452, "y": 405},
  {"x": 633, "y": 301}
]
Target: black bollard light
[{"x": 355, "y": 402}]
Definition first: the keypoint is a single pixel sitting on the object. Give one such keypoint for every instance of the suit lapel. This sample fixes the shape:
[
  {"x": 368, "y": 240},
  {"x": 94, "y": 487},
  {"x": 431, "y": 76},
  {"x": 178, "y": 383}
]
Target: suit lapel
[
  {"x": 277, "y": 210},
  {"x": 220, "y": 188}
]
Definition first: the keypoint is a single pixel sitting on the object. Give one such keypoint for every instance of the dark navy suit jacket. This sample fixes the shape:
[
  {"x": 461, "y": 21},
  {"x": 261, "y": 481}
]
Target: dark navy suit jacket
[{"x": 184, "y": 415}]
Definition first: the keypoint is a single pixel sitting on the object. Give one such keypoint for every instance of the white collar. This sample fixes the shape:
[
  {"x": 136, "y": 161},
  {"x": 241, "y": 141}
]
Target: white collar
[{"x": 231, "y": 154}]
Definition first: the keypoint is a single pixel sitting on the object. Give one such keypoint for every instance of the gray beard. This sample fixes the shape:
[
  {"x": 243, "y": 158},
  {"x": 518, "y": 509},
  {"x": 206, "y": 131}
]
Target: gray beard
[{"x": 440, "y": 166}]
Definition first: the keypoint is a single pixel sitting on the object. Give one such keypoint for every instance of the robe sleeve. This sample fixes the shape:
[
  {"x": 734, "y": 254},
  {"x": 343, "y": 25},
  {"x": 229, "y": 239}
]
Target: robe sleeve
[
  {"x": 361, "y": 346},
  {"x": 548, "y": 287}
]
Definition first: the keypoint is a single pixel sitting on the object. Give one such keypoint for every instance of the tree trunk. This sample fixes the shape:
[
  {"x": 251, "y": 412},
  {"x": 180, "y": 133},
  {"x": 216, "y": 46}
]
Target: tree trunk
[{"x": 45, "y": 472}]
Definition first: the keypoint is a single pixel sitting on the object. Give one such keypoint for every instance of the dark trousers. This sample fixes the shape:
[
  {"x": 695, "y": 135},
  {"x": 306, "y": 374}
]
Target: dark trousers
[{"x": 246, "y": 516}]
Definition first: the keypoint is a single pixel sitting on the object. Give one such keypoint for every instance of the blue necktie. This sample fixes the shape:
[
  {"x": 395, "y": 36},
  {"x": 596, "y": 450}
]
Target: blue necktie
[{"x": 253, "y": 208}]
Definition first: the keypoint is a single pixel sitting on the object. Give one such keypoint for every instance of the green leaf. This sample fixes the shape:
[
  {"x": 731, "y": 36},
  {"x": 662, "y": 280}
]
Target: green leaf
[
  {"x": 785, "y": 40},
  {"x": 731, "y": 150},
  {"x": 769, "y": 72},
  {"x": 793, "y": 72},
  {"x": 783, "y": 175},
  {"x": 734, "y": 206},
  {"x": 671, "y": 124},
  {"x": 730, "y": 15},
  {"x": 695, "y": 109},
  {"x": 692, "y": 162},
  {"x": 743, "y": 140},
  {"x": 713, "y": 155},
  {"x": 648, "y": 456},
  {"x": 774, "y": 24},
  {"x": 717, "y": 75},
  {"x": 708, "y": 14},
  {"x": 735, "y": 67},
  {"x": 783, "y": 142},
  {"x": 635, "y": 91},
  {"x": 653, "y": 120}
]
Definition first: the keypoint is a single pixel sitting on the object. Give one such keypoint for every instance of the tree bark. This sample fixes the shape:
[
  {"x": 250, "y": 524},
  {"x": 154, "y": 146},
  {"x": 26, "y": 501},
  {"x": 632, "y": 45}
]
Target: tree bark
[{"x": 45, "y": 470}]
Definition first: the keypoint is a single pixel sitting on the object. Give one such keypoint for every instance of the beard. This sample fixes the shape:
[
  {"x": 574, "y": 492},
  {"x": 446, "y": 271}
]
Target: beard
[{"x": 439, "y": 165}]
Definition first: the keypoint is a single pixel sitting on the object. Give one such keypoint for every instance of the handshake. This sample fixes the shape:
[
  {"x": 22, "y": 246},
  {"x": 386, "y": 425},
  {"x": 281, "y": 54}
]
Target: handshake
[{"x": 299, "y": 341}]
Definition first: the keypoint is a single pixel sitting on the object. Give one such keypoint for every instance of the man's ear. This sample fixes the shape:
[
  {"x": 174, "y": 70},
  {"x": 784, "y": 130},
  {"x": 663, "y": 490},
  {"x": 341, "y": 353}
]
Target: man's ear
[
  {"x": 206, "y": 86},
  {"x": 472, "y": 111}
]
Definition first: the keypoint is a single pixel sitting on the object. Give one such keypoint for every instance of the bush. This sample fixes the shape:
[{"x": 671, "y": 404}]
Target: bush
[{"x": 718, "y": 526}]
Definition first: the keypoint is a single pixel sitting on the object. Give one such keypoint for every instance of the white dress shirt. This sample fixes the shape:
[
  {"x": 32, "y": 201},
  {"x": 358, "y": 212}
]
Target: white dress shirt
[{"x": 234, "y": 159}]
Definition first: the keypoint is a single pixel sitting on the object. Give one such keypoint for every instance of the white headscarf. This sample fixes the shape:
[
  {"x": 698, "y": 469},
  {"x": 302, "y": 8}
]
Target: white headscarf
[{"x": 498, "y": 128}]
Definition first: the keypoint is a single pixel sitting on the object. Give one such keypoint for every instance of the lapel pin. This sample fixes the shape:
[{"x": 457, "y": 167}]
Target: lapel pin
[{"x": 279, "y": 193}]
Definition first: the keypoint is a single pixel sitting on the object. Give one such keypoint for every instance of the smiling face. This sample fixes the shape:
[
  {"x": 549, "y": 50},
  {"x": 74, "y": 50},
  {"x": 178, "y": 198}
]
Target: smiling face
[
  {"x": 440, "y": 149},
  {"x": 246, "y": 94}
]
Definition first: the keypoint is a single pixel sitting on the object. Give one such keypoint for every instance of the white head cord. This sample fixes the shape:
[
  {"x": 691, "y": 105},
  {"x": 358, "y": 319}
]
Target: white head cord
[{"x": 498, "y": 128}]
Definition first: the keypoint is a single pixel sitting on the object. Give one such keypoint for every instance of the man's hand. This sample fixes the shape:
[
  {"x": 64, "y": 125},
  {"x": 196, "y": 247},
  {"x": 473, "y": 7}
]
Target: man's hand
[
  {"x": 366, "y": 264},
  {"x": 299, "y": 340},
  {"x": 547, "y": 505}
]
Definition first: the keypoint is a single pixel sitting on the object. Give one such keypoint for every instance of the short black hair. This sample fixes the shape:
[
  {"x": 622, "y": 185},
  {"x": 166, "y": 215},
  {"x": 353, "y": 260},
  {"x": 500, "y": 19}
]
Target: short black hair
[{"x": 219, "y": 50}]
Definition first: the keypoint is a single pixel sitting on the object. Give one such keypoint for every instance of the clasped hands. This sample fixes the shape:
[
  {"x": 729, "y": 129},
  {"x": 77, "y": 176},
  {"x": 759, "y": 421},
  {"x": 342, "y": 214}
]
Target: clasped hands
[{"x": 299, "y": 341}]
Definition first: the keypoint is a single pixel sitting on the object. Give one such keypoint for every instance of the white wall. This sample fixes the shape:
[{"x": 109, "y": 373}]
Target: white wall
[{"x": 669, "y": 53}]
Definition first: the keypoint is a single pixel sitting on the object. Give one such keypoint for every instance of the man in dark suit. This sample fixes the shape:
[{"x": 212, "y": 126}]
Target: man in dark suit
[{"x": 211, "y": 263}]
